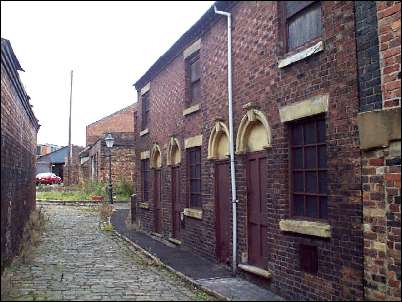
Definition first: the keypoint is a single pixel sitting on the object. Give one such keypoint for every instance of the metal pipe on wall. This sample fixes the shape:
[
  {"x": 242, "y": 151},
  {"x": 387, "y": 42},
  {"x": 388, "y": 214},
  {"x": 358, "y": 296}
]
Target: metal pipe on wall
[{"x": 231, "y": 148}]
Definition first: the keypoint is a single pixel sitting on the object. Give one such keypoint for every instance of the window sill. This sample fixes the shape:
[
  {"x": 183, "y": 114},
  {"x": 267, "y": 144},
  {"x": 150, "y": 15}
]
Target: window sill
[
  {"x": 312, "y": 228},
  {"x": 143, "y": 205},
  {"x": 305, "y": 53},
  {"x": 175, "y": 241},
  {"x": 255, "y": 270},
  {"x": 145, "y": 131},
  {"x": 193, "y": 213},
  {"x": 191, "y": 109}
]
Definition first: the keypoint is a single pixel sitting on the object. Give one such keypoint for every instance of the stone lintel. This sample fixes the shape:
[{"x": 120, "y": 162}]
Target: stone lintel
[
  {"x": 311, "y": 106},
  {"x": 143, "y": 205},
  {"x": 192, "y": 48},
  {"x": 194, "y": 141},
  {"x": 318, "y": 47},
  {"x": 193, "y": 213},
  {"x": 145, "y": 131},
  {"x": 191, "y": 109},
  {"x": 313, "y": 228},
  {"x": 146, "y": 88},
  {"x": 145, "y": 155}
]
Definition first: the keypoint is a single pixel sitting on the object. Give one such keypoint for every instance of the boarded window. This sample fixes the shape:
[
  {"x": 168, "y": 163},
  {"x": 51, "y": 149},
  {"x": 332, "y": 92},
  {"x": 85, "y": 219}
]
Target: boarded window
[
  {"x": 145, "y": 179},
  {"x": 308, "y": 258},
  {"x": 194, "y": 176},
  {"x": 145, "y": 110},
  {"x": 308, "y": 152},
  {"x": 194, "y": 70},
  {"x": 303, "y": 22}
]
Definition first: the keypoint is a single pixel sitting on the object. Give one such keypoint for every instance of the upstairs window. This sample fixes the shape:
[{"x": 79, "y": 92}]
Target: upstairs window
[
  {"x": 145, "y": 110},
  {"x": 194, "y": 71},
  {"x": 308, "y": 152},
  {"x": 194, "y": 171},
  {"x": 145, "y": 179},
  {"x": 302, "y": 22}
]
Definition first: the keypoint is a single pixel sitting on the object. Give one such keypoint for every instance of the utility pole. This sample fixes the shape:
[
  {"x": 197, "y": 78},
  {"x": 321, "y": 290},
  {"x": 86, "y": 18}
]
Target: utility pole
[{"x": 70, "y": 155}]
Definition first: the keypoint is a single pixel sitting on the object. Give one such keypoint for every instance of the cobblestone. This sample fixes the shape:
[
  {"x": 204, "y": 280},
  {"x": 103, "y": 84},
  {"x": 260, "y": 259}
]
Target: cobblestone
[{"x": 75, "y": 260}]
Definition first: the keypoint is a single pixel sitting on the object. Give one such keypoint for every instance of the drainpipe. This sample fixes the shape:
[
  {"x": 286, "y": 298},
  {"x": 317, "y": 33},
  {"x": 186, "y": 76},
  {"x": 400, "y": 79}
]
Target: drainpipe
[{"x": 231, "y": 149}]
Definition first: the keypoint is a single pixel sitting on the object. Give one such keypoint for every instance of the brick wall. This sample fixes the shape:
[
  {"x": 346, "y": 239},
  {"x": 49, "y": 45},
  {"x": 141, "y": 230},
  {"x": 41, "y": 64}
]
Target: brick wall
[
  {"x": 123, "y": 153},
  {"x": 120, "y": 121},
  {"x": 381, "y": 168},
  {"x": 389, "y": 30},
  {"x": 256, "y": 78},
  {"x": 368, "y": 56},
  {"x": 18, "y": 155},
  {"x": 71, "y": 171}
]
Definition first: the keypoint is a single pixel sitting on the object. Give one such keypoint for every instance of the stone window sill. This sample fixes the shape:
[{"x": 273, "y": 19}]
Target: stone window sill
[
  {"x": 193, "y": 213},
  {"x": 191, "y": 109},
  {"x": 255, "y": 270},
  {"x": 175, "y": 241},
  {"x": 143, "y": 205},
  {"x": 145, "y": 131},
  {"x": 305, "y": 53},
  {"x": 312, "y": 228}
]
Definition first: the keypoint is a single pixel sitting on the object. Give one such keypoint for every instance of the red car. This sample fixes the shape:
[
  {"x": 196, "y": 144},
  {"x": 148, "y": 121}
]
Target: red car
[{"x": 47, "y": 179}]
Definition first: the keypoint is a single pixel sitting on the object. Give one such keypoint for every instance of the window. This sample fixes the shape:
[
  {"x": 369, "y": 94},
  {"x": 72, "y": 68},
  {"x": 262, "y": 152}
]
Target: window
[
  {"x": 194, "y": 73},
  {"x": 308, "y": 258},
  {"x": 194, "y": 171},
  {"x": 308, "y": 153},
  {"x": 145, "y": 110},
  {"x": 301, "y": 22},
  {"x": 145, "y": 179}
]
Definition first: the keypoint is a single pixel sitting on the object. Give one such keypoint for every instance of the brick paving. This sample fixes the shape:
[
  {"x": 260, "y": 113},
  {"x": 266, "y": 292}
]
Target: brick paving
[{"x": 75, "y": 260}]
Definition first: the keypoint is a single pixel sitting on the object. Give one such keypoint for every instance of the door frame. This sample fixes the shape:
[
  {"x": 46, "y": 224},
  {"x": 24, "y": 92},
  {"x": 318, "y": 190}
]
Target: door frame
[
  {"x": 257, "y": 155},
  {"x": 177, "y": 202},
  {"x": 218, "y": 224},
  {"x": 157, "y": 211}
]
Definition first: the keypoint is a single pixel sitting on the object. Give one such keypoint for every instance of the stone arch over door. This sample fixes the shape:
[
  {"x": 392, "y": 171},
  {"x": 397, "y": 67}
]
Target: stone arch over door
[
  {"x": 218, "y": 144},
  {"x": 254, "y": 133},
  {"x": 156, "y": 157},
  {"x": 173, "y": 152}
]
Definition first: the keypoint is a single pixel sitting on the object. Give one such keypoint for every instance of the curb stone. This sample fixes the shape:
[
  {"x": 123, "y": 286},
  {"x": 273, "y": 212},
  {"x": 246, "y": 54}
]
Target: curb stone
[{"x": 171, "y": 269}]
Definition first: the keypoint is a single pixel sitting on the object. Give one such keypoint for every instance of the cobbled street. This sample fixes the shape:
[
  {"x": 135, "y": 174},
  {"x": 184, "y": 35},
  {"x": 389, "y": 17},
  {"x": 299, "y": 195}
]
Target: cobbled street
[{"x": 75, "y": 260}]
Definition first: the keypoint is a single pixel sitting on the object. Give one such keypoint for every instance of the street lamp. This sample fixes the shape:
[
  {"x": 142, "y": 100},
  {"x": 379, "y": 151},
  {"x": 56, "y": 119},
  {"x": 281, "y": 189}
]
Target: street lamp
[{"x": 109, "y": 143}]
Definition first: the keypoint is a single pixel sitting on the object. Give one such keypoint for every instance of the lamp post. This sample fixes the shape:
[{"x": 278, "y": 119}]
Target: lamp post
[{"x": 109, "y": 143}]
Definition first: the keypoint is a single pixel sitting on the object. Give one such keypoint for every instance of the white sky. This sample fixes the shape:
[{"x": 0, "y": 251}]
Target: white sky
[{"x": 109, "y": 45}]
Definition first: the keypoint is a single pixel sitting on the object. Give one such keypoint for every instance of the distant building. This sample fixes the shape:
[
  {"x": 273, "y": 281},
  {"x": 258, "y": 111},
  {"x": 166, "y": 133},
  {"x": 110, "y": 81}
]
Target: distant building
[
  {"x": 43, "y": 149},
  {"x": 94, "y": 159},
  {"x": 19, "y": 128}
]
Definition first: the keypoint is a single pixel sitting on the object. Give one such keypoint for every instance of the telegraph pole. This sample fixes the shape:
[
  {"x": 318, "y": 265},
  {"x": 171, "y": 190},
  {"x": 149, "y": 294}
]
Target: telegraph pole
[{"x": 70, "y": 155}]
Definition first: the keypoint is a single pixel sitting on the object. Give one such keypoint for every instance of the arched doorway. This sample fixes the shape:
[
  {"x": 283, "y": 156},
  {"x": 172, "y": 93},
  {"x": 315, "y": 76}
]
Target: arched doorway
[
  {"x": 156, "y": 164},
  {"x": 218, "y": 150},
  {"x": 174, "y": 160},
  {"x": 253, "y": 137}
]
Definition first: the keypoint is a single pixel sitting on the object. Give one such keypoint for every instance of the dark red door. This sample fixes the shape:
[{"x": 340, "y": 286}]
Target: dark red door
[
  {"x": 257, "y": 208},
  {"x": 223, "y": 211},
  {"x": 157, "y": 201},
  {"x": 176, "y": 208}
]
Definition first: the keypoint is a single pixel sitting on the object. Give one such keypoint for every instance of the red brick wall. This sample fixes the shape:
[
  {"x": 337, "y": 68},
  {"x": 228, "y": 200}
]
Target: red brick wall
[
  {"x": 18, "y": 159},
  {"x": 120, "y": 121},
  {"x": 256, "y": 78},
  {"x": 71, "y": 172},
  {"x": 389, "y": 29}
]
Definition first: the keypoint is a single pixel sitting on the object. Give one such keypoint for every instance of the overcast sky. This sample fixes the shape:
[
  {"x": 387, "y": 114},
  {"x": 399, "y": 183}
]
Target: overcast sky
[{"x": 109, "y": 45}]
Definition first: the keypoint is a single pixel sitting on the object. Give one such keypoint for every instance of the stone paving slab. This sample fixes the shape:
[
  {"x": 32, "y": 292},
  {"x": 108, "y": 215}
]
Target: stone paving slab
[
  {"x": 237, "y": 289},
  {"x": 211, "y": 276},
  {"x": 75, "y": 260}
]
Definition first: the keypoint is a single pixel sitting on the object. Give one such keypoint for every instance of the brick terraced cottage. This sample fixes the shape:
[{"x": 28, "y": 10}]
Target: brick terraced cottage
[
  {"x": 302, "y": 73},
  {"x": 94, "y": 159},
  {"x": 19, "y": 128}
]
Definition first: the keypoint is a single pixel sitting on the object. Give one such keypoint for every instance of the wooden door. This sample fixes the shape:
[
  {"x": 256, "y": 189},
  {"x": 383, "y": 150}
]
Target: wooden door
[
  {"x": 176, "y": 208},
  {"x": 223, "y": 211},
  {"x": 257, "y": 208},
  {"x": 157, "y": 201}
]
